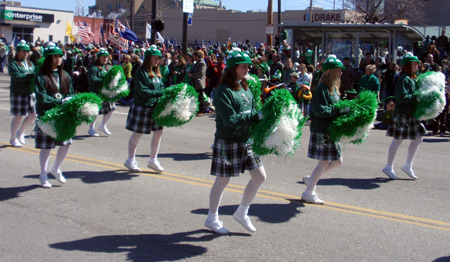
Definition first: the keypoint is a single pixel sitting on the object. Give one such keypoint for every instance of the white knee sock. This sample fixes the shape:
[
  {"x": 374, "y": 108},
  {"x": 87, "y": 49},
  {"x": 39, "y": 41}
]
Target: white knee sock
[
  {"x": 132, "y": 145},
  {"x": 393, "y": 151},
  {"x": 15, "y": 124},
  {"x": 215, "y": 196},
  {"x": 258, "y": 176},
  {"x": 44, "y": 155},
  {"x": 92, "y": 125},
  {"x": 155, "y": 144},
  {"x": 318, "y": 171},
  {"x": 26, "y": 123},
  {"x": 412, "y": 150},
  {"x": 106, "y": 118},
  {"x": 62, "y": 153}
]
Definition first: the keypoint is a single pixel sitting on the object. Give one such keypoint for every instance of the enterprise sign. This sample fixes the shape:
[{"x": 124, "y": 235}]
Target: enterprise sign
[{"x": 26, "y": 16}]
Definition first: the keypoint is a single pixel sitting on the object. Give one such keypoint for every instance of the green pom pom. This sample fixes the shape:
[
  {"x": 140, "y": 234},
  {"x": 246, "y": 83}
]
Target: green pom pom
[
  {"x": 430, "y": 94},
  {"x": 353, "y": 127},
  {"x": 62, "y": 121},
  {"x": 177, "y": 105},
  {"x": 255, "y": 86},
  {"x": 114, "y": 86},
  {"x": 280, "y": 111}
]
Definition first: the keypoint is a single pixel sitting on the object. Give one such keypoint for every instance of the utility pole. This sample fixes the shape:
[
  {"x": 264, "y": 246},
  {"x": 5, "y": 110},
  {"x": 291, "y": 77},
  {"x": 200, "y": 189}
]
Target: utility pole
[
  {"x": 334, "y": 4},
  {"x": 269, "y": 21},
  {"x": 279, "y": 16},
  {"x": 310, "y": 11},
  {"x": 153, "y": 40},
  {"x": 185, "y": 32},
  {"x": 131, "y": 14}
]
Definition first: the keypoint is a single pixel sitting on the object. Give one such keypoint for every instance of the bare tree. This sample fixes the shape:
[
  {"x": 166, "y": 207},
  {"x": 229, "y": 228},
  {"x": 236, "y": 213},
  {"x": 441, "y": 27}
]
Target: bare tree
[{"x": 387, "y": 11}]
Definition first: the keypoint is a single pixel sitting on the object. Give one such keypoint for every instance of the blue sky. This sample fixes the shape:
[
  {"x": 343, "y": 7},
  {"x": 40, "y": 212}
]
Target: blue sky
[{"x": 242, "y": 5}]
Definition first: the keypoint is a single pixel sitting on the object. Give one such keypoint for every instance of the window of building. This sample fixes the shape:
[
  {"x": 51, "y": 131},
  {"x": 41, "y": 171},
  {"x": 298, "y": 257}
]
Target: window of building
[
  {"x": 50, "y": 38},
  {"x": 118, "y": 6},
  {"x": 23, "y": 34},
  {"x": 108, "y": 6}
]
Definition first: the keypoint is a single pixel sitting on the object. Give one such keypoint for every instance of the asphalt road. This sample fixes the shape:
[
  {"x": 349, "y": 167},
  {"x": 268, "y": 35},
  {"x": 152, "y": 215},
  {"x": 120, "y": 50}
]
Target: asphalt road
[{"x": 104, "y": 213}]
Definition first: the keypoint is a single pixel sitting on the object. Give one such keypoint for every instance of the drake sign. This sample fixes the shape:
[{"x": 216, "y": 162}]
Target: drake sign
[
  {"x": 323, "y": 17},
  {"x": 26, "y": 16}
]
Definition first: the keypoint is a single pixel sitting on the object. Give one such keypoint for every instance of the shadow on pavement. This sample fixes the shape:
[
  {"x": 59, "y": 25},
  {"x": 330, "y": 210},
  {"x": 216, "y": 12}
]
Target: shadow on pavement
[
  {"x": 91, "y": 177},
  {"x": 354, "y": 183},
  {"x": 442, "y": 259},
  {"x": 146, "y": 247},
  {"x": 184, "y": 156},
  {"x": 435, "y": 140},
  {"x": 270, "y": 213},
  {"x": 7, "y": 193}
]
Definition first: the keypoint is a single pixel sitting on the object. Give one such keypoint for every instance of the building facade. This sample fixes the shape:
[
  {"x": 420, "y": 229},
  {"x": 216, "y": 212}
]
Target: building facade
[{"x": 19, "y": 22}]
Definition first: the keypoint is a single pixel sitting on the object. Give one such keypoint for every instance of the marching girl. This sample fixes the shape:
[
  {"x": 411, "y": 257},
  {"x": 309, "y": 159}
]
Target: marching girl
[
  {"x": 404, "y": 125},
  {"x": 232, "y": 153},
  {"x": 321, "y": 147},
  {"x": 53, "y": 87},
  {"x": 148, "y": 88},
  {"x": 95, "y": 77},
  {"x": 21, "y": 97}
]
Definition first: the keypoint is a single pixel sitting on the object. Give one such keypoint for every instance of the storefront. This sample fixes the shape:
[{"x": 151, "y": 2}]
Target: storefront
[{"x": 30, "y": 24}]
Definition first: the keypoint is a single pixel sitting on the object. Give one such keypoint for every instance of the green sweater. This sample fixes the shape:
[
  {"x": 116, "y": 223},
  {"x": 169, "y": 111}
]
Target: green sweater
[
  {"x": 146, "y": 90},
  {"x": 404, "y": 95},
  {"x": 235, "y": 112},
  {"x": 95, "y": 77},
  {"x": 21, "y": 77},
  {"x": 45, "y": 100},
  {"x": 369, "y": 82},
  {"x": 322, "y": 109},
  {"x": 127, "y": 70}
]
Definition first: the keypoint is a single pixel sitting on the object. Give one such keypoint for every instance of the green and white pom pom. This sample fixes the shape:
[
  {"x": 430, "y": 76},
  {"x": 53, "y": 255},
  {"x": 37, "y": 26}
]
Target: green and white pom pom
[
  {"x": 255, "y": 86},
  {"x": 114, "y": 86},
  {"x": 354, "y": 126},
  {"x": 280, "y": 130},
  {"x": 430, "y": 93},
  {"x": 177, "y": 105},
  {"x": 62, "y": 121}
]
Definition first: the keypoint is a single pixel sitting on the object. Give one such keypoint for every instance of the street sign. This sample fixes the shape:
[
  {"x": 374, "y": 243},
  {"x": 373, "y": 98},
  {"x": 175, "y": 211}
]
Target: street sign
[
  {"x": 269, "y": 29},
  {"x": 188, "y": 6},
  {"x": 190, "y": 19}
]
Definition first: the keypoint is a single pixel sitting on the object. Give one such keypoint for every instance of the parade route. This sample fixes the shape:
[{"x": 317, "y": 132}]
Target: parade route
[{"x": 105, "y": 213}]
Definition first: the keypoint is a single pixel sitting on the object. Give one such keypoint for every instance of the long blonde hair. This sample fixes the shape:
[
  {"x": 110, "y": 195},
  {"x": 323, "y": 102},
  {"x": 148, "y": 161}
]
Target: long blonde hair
[{"x": 332, "y": 78}]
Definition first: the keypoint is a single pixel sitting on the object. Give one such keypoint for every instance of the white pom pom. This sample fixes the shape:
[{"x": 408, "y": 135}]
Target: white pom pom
[{"x": 47, "y": 128}]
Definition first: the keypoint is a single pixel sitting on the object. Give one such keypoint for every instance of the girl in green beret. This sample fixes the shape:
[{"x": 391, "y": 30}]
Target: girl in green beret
[
  {"x": 21, "y": 96},
  {"x": 53, "y": 87},
  {"x": 95, "y": 76},
  {"x": 405, "y": 125},
  {"x": 232, "y": 152},
  {"x": 323, "y": 112},
  {"x": 148, "y": 88}
]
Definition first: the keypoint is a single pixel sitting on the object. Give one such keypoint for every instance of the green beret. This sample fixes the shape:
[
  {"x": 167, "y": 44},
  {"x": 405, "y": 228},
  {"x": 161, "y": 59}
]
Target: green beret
[
  {"x": 137, "y": 51},
  {"x": 153, "y": 50},
  {"x": 238, "y": 57},
  {"x": 264, "y": 67},
  {"x": 332, "y": 62},
  {"x": 22, "y": 45},
  {"x": 52, "y": 49},
  {"x": 409, "y": 57},
  {"x": 102, "y": 52}
]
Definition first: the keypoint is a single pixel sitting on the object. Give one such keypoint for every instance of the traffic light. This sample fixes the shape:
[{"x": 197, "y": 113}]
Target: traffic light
[{"x": 158, "y": 25}]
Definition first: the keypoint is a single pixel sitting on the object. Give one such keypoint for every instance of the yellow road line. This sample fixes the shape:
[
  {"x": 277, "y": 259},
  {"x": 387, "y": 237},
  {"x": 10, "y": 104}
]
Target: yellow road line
[{"x": 418, "y": 221}]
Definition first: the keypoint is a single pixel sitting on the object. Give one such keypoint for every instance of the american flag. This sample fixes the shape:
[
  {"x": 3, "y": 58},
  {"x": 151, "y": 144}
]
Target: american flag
[{"x": 84, "y": 31}]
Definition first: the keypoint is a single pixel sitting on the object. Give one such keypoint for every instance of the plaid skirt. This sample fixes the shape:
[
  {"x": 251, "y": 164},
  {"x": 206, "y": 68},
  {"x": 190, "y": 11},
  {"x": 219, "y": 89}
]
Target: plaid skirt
[
  {"x": 44, "y": 141},
  {"x": 321, "y": 147},
  {"x": 22, "y": 104},
  {"x": 232, "y": 158},
  {"x": 140, "y": 120},
  {"x": 405, "y": 127},
  {"x": 107, "y": 107}
]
